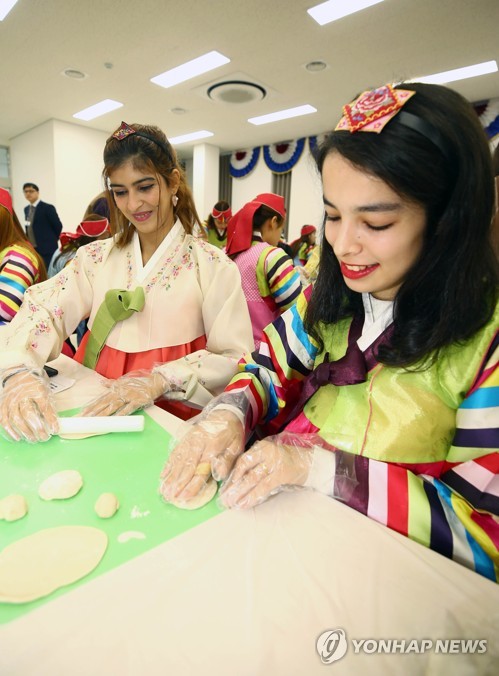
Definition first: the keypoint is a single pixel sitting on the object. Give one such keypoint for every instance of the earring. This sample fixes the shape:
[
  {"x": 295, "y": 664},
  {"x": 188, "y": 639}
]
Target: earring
[{"x": 174, "y": 200}]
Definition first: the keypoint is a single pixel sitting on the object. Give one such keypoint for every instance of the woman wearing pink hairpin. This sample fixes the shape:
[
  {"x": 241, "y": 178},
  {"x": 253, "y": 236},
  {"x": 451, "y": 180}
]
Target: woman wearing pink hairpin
[
  {"x": 380, "y": 387},
  {"x": 215, "y": 226},
  {"x": 20, "y": 264}
]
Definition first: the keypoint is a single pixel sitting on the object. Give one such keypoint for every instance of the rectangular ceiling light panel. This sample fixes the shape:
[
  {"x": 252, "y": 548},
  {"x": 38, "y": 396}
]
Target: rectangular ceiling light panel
[
  {"x": 337, "y": 9},
  {"x": 191, "y": 69},
  {"x": 5, "y": 7},
  {"x": 459, "y": 73},
  {"x": 283, "y": 114},
  {"x": 98, "y": 109},
  {"x": 193, "y": 136}
]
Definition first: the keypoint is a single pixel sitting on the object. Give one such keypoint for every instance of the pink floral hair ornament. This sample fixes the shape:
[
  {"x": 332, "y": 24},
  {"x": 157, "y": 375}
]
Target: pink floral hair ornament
[
  {"x": 373, "y": 109},
  {"x": 125, "y": 130}
]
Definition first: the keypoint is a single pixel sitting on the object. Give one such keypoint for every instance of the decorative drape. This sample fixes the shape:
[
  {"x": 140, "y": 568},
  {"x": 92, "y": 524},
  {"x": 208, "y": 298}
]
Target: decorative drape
[
  {"x": 282, "y": 157},
  {"x": 242, "y": 162},
  {"x": 488, "y": 114}
]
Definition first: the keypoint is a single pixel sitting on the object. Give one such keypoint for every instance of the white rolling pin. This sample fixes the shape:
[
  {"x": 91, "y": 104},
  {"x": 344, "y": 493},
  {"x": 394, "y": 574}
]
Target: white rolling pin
[{"x": 101, "y": 425}]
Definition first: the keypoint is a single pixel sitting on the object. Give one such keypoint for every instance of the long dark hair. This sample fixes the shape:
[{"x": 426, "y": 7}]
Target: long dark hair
[
  {"x": 157, "y": 156},
  {"x": 451, "y": 291}
]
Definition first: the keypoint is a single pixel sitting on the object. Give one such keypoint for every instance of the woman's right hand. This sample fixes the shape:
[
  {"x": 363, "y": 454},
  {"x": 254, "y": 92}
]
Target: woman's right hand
[
  {"x": 210, "y": 448},
  {"x": 26, "y": 407}
]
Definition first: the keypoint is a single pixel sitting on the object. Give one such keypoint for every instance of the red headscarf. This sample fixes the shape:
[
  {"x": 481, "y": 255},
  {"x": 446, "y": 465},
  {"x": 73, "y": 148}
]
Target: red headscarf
[
  {"x": 221, "y": 215},
  {"x": 307, "y": 230},
  {"x": 240, "y": 227},
  {"x": 6, "y": 200},
  {"x": 86, "y": 229}
]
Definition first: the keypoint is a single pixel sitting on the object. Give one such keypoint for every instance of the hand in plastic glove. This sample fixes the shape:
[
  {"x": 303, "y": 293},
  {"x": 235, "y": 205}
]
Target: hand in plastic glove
[
  {"x": 127, "y": 394},
  {"x": 26, "y": 405},
  {"x": 210, "y": 448},
  {"x": 264, "y": 470}
]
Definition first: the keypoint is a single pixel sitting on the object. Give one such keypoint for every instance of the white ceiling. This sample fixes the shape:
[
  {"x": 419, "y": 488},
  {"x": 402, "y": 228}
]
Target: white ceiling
[{"x": 268, "y": 41}]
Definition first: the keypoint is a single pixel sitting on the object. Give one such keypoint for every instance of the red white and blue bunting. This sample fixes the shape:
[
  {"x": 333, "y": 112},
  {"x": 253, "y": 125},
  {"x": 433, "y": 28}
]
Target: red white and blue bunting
[
  {"x": 242, "y": 162},
  {"x": 488, "y": 114},
  {"x": 282, "y": 157}
]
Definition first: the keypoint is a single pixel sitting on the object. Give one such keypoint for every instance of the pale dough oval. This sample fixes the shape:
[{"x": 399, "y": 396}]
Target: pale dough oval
[
  {"x": 38, "y": 564},
  {"x": 204, "y": 496},
  {"x": 13, "y": 507},
  {"x": 61, "y": 485},
  {"x": 106, "y": 505}
]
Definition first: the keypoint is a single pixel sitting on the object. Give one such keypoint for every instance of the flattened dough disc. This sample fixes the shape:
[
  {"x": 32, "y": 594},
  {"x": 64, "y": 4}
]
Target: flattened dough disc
[
  {"x": 204, "y": 496},
  {"x": 38, "y": 564}
]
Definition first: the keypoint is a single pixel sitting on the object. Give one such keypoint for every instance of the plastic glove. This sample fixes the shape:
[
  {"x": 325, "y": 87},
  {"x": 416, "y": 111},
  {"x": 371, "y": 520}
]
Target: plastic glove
[
  {"x": 27, "y": 410},
  {"x": 210, "y": 448},
  {"x": 269, "y": 467},
  {"x": 127, "y": 394}
]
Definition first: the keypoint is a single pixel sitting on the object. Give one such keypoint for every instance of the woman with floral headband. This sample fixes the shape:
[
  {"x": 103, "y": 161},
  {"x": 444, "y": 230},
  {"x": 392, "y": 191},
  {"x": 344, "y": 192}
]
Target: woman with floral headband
[
  {"x": 215, "y": 225},
  {"x": 381, "y": 384},
  {"x": 167, "y": 315},
  {"x": 270, "y": 283}
]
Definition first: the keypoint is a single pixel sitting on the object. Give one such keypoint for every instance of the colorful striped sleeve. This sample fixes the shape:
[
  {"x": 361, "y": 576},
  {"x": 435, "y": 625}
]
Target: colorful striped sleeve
[
  {"x": 455, "y": 511},
  {"x": 273, "y": 375},
  {"x": 276, "y": 275},
  {"x": 18, "y": 271}
]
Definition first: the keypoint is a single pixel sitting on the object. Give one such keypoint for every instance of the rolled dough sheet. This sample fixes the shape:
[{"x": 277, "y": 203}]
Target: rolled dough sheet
[
  {"x": 38, "y": 564},
  {"x": 204, "y": 496}
]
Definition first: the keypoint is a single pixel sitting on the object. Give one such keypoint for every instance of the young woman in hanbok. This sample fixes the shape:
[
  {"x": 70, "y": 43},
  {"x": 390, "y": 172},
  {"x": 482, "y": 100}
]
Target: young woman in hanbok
[
  {"x": 380, "y": 386},
  {"x": 166, "y": 313}
]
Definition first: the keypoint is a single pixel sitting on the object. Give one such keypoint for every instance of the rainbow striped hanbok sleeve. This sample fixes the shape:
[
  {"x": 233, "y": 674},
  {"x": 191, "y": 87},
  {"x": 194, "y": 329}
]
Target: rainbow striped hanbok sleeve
[
  {"x": 18, "y": 271},
  {"x": 270, "y": 377},
  {"x": 282, "y": 279},
  {"x": 454, "y": 511}
]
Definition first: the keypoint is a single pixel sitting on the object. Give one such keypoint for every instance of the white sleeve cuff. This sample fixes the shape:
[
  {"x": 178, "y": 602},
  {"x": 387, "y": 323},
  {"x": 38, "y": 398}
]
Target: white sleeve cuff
[{"x": 322, "y": 471}]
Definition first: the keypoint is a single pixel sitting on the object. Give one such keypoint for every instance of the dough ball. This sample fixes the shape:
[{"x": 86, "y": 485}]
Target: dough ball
[
  {"x": 204, "y": 496},
  {"x": 38, "y": 564},
  {"x": 106, "y": 505},
  {"x": 61, "y": 485},
  {"x": 13, "y": 507}
]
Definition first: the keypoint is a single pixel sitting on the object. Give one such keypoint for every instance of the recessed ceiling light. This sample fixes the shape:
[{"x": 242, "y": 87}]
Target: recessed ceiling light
[
  {"x": 283, "y": 114},
  {"x": 458, "y": 73},
  {"x": 74, "y": 73},
  {"x": 178, "y": 110},
  {"x": 316, "y": 66},
  {"x": 98, "y": 109},
  {"x": 337, "y": 9},
  {"x": 5, "y": 7},
  {"x": 193, "y": 136},
  {"x": 190, "y": 69}
]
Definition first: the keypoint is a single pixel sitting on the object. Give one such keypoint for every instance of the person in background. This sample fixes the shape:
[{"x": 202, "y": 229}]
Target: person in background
[
  {"x": 270, "y": 282},
  {"x": 94, "y": 227},
  {"x": 303, "y": 246},
  {"x": 167, "y": 316},
  {"x": 285, "y": 246},
  {"x": 381, "y": 383},
  {"x": 20, "y": 265},
  {"x": 43, "y": 225},
  {"x": 215, "y": 225}
]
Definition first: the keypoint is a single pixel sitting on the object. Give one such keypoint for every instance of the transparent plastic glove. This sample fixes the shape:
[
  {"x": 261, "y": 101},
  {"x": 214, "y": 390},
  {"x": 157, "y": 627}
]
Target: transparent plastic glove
[
  {"x": 27, "y": 409},
  {"x": 127, "y": 394},
  {"x": 210, "y": 448},
  {"x": 270, "y": 466}
]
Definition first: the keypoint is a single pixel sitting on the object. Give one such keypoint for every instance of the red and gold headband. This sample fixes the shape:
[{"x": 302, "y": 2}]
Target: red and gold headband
[
  {"x": 372, "y": 110},
  {"x": 125, "y": 130},
  {"x": 221, "y": 215}
]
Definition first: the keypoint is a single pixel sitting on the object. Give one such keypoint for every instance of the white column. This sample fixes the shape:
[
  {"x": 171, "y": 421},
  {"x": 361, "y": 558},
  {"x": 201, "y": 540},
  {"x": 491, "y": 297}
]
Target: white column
[{"x": 205, "y": 173}]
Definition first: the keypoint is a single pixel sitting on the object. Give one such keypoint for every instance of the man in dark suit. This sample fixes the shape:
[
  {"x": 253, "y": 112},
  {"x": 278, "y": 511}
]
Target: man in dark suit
[{"x": 43, "y": 225}]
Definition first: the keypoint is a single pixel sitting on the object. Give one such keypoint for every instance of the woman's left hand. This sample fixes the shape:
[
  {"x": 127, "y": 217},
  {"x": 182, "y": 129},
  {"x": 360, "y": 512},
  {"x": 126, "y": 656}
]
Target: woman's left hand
[
  {"x": 268, "y": 467},
  {"x": 127, "y": 394}
]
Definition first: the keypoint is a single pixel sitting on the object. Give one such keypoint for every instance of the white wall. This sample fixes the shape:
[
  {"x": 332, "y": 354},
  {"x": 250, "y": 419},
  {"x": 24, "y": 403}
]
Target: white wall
[
  {"x": 65, "y": 161},
  {"x": 32, "y": 160},
  {"x": 245, "y": 189},
  {"x": 78, "y": 169}
]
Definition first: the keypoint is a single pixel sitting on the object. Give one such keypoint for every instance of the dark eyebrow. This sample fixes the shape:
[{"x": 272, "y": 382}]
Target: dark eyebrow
[
  {"x": 371, "y": 208},
  {"x": 141, "y": 180}
]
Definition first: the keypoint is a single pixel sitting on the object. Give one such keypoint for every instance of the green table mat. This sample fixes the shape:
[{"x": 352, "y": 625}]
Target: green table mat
[{"x": 127, "y": 464}]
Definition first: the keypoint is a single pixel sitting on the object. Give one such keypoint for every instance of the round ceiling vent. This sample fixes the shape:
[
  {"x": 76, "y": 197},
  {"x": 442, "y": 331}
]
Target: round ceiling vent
[
  {"x": 75, "y": 74},
  {"x": 236, "y": 91}
]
